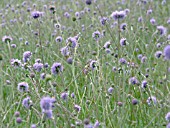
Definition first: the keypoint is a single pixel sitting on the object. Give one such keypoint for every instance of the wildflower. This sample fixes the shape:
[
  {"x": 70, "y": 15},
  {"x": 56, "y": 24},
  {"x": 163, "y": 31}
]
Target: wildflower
[
  {"x": 151, "y": 99},
  {"x": 167, "y": 52},
  {"x": 23, "y": 87},
  {"x": 77, "y": 108},
  {"x": 64, "y": 95},
  {"x": 93, "y": 64},
  {"x": 103, "y": 20},
  {"x": 158, "y": 54},
  {"x": 123, "y": 42},
  {"x": 72, "y": 42},
  {"x": 18, "y": 120},
  {"x": 167, "y": 117},
  {"x": 144, "y": 84},
  {"x": 27, "y": 103},
  {"x": 140, "y": 19},
  {"x": 123, "y": 26},
  {"x": 162, "y": 30},
  {"x": 140, "y": 56},
  {"x": 38, "y": 66},
  {"x": 36, "y": 14},
  {"x": 64, "y": 51},
  {"x": 110, "y": 90},
  {"x": 149, "y": 11},
  {"x": 107, "y": 44},
  {"x": 46, "y": 65},
  {"x": 56, "y": 68},
  {"x": 88, "y": 2},
  {"x": 133, "y": 81},
  {"x": 134, "y": 101},
  {"x": 143, "y": 59},
  {"x": 13, "y": 45},
  {"x": 16, "y": 63},
  {"x": 118, "y": 15},
  {"x": 7, "y": 39},
  {"x": 46, "y": 103},
  {"x": 70, "y": 60},
  {"x": 72, "y": 95},
  {"x": 168, "y": 125},
  {"x": 67, "y": 15},
  {"x": 96, "y": 35},
  {"x": 152, "y": 21},
  {"x": 122, "y": 61},
  {"x": 58, "y": 39},
  {"x": 26, "y": 56},
  {"x": 33, "y": 126},
  {"x": 17, "y": 114},
  {"x": 42, "y": 76}
]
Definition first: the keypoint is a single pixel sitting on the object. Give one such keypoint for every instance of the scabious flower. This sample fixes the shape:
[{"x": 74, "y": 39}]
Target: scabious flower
[
  {"x": 65, "y": 51},
  {"x": 134, "y": 101},
  {"x": 123, "y": 26},
  {"x": 143, "y": 59},
  {"x": 152, "y": 21},
  {"x": 149, "y": 11},
  {"x": 67, "y": 15},
  {"x": 88, "y": 2},
  {"x": 93, "y": 64},
  {"x": 161, "y": 30},
  {"x": 17, "y": 114},
  {"x": 96, "y": 124},
  {"x": 77, "y": 108},
  {"x": 144, "y": 84},
  {"x": 33, "y": 126},
  {"x": 38, "y": 66},
  {"x": 36, "y": 14},
  {"x": 64, "y": 95},
  {"x": 151, "y": 99},
  {"x": 167, "y": 52},
  {"x": 123, "y": 42},
  {"x": 27, "y": 103},
  {"x": 167, "y": 117},
  {"x": 16, "y": 63},
  {"x": 122, "y": 61},
  {"x": 96, "y": 35},
  {"x": 103, "y": 20},
  {"x": 27, "y": 56},
  {"x": 140, "y": 19},
  {"x": 70, "y": 60},
  {"x": 7, "y": 39},
  {"x": 110, "y": 90},
  {"x": 158, "y": 54},
  {"x": 42, "y": 76},
  {"x": 140, "y": 56},
  {"x": 18, "y": 120},
  {"x": 23, "y": 87},
  {"x": 168, "y": 125},
  {"x": 118, "y": 15},
  {"x": 56, "y": 68},
  {"x": 133, "y": 81},
  {"x": 72, "y": 42},
  {"x": 107, "y": 44},
  {"x": 58, "y": 39}
]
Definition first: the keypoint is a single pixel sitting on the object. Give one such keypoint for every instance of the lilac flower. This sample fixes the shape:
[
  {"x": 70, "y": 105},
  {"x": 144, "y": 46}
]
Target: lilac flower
[
  {"x": 56, "y": 68},
  {"x": 133, "y": 81},
  {"x": 33, "y": 126},
  {"x": 134, "y": 101},
  {"x": 110, "y": 90},
  {"x": 167, "y": 117},
  {"x": 158, "y": 54},
  {"x": 168, "y": 21},
  {"x": 46, "y": 103},
  {"x": 67, "y": 15},
  {"x": 13, "y": 45},
  {"x": 48, "y": 114},
  {"x": 23, "y": 87},
  {"x": 38, "y": 66},
  {"x": 103, "y": 20},
  {"x": 93, "y": 64},
  {"x": 18, "y": 120},
  {"x": 42, "y": 76},
  {"x": 118, "y": 15},
  {"x": 140, "y": 56},
  {"x": 77, "y": 108},
  {"x": 16, "y": 63},
  {"x": 65, "y": 51},
  {"x": 122, "y": 61},
  {"x": 73, "y": 95},
  {"x": 7, "y": 39},
  {"x": 107, "y": 44},
  {"x": 27, "y": 56},
  {"x": 88, "y": 2},
  {"x": 162, "y": 30},
  {"x": 151, "y": 99},
  {"x": 72, "y": 42},
  {"x": 123, "y": 26},
  {"x": 17, "y": 114},
  {"x": 46, "y": 65},
  {"x": 96, "y": 35},
  {"x": 144, "y": 84},
  {"x": 70, "y": 60},
  {"x": 143, "y": 59},
  {"x": 58, "y": 39},
  {"x": 27, "y": 103},
  {"x": 96, "y": 124},
  {"x": 127, "y": 11},
  {"x": 168, "y": 125},
  {"x": 149, "y": 11},
  {"x": 140, "y": 19},
  {"x": 123, "y": 42},
  {"x": 36, "y": 14},
  {"x": 64, "y": 95},
  {"x": 167, "y": 52}
]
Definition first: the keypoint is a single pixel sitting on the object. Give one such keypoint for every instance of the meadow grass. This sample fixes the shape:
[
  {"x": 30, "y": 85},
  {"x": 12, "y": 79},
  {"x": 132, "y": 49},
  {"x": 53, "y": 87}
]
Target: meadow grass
[{"x": 106, "y": 88}]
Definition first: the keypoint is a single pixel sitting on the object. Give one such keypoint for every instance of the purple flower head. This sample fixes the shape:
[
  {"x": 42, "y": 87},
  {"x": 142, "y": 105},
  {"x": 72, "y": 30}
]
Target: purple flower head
[
  {"x": 123, "y": 26},
  {"x": 65, "y": 51},
  {"x": 77, "y": 108},
  {"x": 88, "y": 2},
  {"x": 64, "y": 95},
  {"x": 23, "y": 87},
  {"x": 110, "y": 90},
  {"x": 27, "y": 103},
  {"x": 93, "y": 64},
  {"x": 149, "y": 11},
  {"x": 118, "y": 15},
  {"x": 168, "y": 21},
  {"x": 33, "y": 126},
  {"x": 16, "y": 63},
  {"x": 67, "y": 15},
  {"x": 168, "y": 125},
  {"x": 48, "y": 114},
  {"x": 70, "y": 60},
  {"x": 42, "y": 76},
  {"x": 140, "y": 19},
  {"x": 7, "y": 39},
  {"x": 167, "y": 117},
  {"x": 123, "y": 42},
  {"x": 72, "y": 42},
  {"x": 46, "y": 65},
  {"x": 58, "y": 39},
  {"x": 103, "y": 20},
  {"x": 133, "y": 81},
  {"x": 161, "y": 30},
  {"x": 73, "y": 95},
  {"x": 122, "y": 61},
  {"x": 17, "y": 114},
  {"x": 18, "y": 120},
  {"x": 96, "y": 124},
  {"x": 38, "y": 66},
  {"x": 107, "y": 44},
  {"x": 143, "y": 59},
  {"x": 13, "y": 45},
  {"x": 151, "y": 99},
  {"x": 46, "y": 103},
  {"x": 96, "y": 35},
  {"x": 134, "y": 101},
  {"x": 152, "y": 21},
  {"x": 36, "y": 14},
  {"x": 140, "y": 56},
  {"x": 127, "y": 11},
  {"x": 56, "y": 68},
  {"x": 158, "y": 54},
  {"x": 144, "y": 84},
  {"x": 27, "y": 56},
  {"x": 167, "y": 52}
]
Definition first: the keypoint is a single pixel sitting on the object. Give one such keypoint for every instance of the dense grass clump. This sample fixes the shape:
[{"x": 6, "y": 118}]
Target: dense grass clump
[{"x": 85, "y": 63}]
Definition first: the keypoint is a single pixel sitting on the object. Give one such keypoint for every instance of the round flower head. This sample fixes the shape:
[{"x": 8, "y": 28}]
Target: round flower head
[
  {"x": 7, "y": 39},
  {"x": 168, "y": 21},
  {"x": 23, "y": 87},
  {"x": 122, "y": 61},
  {"x": 158, "y": 54},
  {"x": 96, "y": 35},
  {"x": 93, "y": 64},
  {"x": 88, "y": 2},
  {"x": 48, "y": 114},
  {"x": 133, "y": 81},
  {"x": 72, "y": 42},
  {"x": 38, "y": 66},
  {"x": 18, "y": 120},
  {"x": 70, "y": 60},
  {"x": 67, "y": 15},
  {"x": 152, "y": 21},
  {"x": 107, "y": 44},
  {"x": 144, "y": 84},
  {"x": 167, "y": 52},
  {"x": 77, "y": 108},
  {"x": 123, "y": 26},
  {"x": 162, "y": 30},
  {"x": 140, "y": 19},
  {"x": 118, "y": 15},
  {"x": 33, "y": 126},
  {"x": 96, "y": 124},
  {"x": 103, "y": 20},
  {"x": 149, "y": 11},
  {"x": 65, "y": 51},
  {"x": 27, "y": 103},
  {"x": 36, "y": 14},
  {"x": 64, "y": 95},
  {"x": 56, "y": 68},
  {"x": 123, "y": 42},
  {"x": 167, "y": 117},
  {"x": 134, "y": 101},
  {"x": 46, "y": 103},
  {"x": 151, "y": 99},
  {"x": 58, "y": 39},
  {"x": 168, "y": 125},
  {"x": 16, "y": 63},
  {"x": 26, "y": 56},
  {"x": 110, "y": 90}
]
